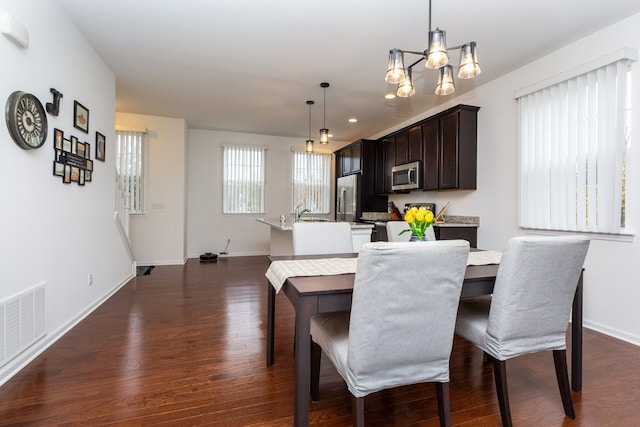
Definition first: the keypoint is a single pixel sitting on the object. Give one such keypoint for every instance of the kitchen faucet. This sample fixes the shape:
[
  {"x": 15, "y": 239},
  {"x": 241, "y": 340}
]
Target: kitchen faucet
[{"x": 298, "y": 213}]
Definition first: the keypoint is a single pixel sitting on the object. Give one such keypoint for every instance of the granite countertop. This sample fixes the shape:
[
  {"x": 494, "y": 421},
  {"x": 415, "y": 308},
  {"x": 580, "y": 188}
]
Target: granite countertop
[
  {"x": 288, "y": 225},
  {"x": 449, "y": 220}
]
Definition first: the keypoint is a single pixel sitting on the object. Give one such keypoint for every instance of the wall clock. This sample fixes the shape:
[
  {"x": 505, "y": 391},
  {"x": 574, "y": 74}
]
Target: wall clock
[{"x": 26, "y": 120}]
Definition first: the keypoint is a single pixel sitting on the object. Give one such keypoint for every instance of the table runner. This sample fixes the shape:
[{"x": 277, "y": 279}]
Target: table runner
[{"x": 280, "y": 271}]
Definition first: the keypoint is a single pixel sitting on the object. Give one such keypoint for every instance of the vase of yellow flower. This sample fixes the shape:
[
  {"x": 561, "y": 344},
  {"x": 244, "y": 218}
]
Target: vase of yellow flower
[{"x": 418, "y": 219}]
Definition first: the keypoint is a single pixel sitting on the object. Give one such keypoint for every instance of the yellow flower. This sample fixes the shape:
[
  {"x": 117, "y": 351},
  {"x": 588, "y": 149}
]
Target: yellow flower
[{"x": 418, "y": 219}]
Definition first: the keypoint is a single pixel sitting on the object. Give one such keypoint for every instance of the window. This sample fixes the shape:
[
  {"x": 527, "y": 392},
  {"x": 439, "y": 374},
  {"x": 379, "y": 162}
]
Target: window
[
  {"x": 130, "y": 152},
  {"x": 243, "y": 179},
  {"x": 311, "y": 181},
  {"x": 574, "y": 137}
]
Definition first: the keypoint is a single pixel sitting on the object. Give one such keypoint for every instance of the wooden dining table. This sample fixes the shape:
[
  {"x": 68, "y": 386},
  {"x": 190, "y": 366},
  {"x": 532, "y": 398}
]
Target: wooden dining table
[{"x": 311, "y": 295}]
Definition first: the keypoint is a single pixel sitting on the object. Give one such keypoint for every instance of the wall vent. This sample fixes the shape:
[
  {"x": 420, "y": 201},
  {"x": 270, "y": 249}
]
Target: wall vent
[{"x": 22, "y": 322}]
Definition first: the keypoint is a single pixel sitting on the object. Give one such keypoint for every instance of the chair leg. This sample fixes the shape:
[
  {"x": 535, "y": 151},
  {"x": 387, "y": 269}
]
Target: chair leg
[
  {"x": 560, "y": 362},
  {"x": 316, "y": 354},
  {"x": 500, "y": 375},
  {"x": 358, "y": 411},
  {"x": 444, "y": 404}
]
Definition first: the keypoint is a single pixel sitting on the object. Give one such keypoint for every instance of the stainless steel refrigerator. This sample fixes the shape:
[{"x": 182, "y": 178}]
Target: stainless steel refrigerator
[{"x": 347, "y": 208}]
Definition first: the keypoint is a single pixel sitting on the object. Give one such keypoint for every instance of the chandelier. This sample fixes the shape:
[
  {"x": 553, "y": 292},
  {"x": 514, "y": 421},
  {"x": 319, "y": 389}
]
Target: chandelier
[{"x": 435, "y": 58}]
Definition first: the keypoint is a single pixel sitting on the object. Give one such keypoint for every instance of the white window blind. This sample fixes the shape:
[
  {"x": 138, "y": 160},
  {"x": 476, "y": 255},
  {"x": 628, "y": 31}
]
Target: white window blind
[
  {"x": 311, "y": 181},
  {"x": 573, "y": 141},
  {"x": 130, "y": 151},
  {"x": 243, "y": 179}
]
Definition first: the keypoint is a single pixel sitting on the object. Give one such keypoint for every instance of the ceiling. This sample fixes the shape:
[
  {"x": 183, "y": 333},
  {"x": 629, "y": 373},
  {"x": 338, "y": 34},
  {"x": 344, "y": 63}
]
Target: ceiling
[{"x": 251, "y": 65}]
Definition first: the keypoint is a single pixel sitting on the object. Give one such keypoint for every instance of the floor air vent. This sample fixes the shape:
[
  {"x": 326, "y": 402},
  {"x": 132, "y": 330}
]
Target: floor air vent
[{"x": 22, "y": 322}]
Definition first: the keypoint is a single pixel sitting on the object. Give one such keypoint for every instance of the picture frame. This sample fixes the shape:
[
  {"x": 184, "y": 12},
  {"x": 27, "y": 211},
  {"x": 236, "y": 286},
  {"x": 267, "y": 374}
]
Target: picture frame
[
  {"x": 58, "y": 169},
  {"x": 74, "y": 145},
  {"x": 101, "y": 143},
  {"x": 81, "y": 177},
  {"x": 87, "y": 176},
  {"x": 87, "y": 150},
  {"x": 58, "y": 137},
  {"x": 80, "y": 117},
  {"x": 80, "y": 151},
  {"x": 66, "y": 145},
  {"x": 89, "y": 165},
  {"x": 67, "y": 174},
  {"x": 75, "y": 173}
]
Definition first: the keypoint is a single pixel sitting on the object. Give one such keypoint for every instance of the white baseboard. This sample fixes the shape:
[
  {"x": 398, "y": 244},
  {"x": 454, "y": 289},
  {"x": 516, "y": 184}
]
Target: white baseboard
[
  {"x": 612, "y": 332},
  {"x": 23, "y": 359}
]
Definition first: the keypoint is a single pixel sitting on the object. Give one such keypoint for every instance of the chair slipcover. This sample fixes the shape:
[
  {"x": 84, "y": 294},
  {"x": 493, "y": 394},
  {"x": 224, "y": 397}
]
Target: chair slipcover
[
  {"x": 400, "y": 329},
  {"x": 531, "y": 303},
  {"x": 315, "y": 238},
  {"x": 395, "y": 227}
]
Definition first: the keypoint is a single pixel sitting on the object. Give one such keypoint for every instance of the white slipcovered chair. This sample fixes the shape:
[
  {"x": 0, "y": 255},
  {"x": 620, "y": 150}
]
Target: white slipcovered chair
[
  {"x": 529, "y": 309},
  {"x": 316, "y": 238},
  {"x": 400, "y": 328},
  {"x": 395, "y": 227}
]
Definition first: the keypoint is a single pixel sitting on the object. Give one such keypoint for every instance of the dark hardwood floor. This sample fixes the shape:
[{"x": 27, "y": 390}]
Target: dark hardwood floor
[{"x": 185, "y": 346}]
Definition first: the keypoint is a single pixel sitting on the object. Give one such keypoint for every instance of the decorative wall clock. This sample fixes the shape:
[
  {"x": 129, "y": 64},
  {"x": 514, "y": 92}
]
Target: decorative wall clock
[{"x": 26, "y": 120}]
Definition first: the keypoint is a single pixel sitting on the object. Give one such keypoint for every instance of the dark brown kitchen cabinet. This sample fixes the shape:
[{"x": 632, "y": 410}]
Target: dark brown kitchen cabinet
[
  {"x": 349, "y": 159},
  {"x": 380, "y": 170},
  {"x": 450, "y": 148},
  {"x": 415, "y": 144},
  {"x": 430, "y": 162},
  {"x": 402, "y": 147},
  {"x": 389, "y": 161}
]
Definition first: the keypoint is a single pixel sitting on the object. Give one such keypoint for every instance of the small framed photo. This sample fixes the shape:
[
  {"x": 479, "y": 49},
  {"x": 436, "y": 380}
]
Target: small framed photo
[
  {"x": 100, "y": 146},
  {"x": 67, "y": 174},
  {"x": 89, "y": 165},
  {"x": 81, "y": 179},
  {"x": 58, "y": 136},
  {"x": 74, "y": 145},
  {"x": 87, "y": 176},
  {"x": 80, "y": 117},
  {"x": 75, "y": 173},
  {"x": 66, "y": 145},
  {"x": 58, "y": 169},
  {"x": 87, "y": 150},
  {"x": 80, "y": 149}
]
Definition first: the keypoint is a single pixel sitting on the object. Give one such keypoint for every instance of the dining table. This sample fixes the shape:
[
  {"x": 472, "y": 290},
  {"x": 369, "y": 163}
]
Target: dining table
[{"x": 311, "y": 295}]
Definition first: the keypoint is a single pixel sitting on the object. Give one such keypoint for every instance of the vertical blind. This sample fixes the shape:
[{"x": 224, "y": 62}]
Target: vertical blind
[
  {"x": 130, "y": 166},
  {"x": 573, "y": 140},
  {"x": 243, "y": 179},
  {"x": 311, "y": 181}
]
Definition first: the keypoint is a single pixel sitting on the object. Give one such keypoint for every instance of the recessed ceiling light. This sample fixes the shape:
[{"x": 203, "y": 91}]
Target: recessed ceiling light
[
  {"x": 390, "y": 96},
  {"x": 353, "y": 120}
]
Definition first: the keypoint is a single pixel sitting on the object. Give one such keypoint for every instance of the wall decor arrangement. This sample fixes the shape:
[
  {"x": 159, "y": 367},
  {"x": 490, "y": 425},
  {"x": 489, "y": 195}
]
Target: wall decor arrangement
[
  {"x": 80, "y": 117},
  {"x": 72, "y": 159},
  {"x": 100, "y": 146}
]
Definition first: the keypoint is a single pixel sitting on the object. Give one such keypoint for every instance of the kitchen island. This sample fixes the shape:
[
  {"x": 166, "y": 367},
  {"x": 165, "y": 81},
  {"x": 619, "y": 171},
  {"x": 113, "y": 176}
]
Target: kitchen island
[{"x": 281, "y": 241}]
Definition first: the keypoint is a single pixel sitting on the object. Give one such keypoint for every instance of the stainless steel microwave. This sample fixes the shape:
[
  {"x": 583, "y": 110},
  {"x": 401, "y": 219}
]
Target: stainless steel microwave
[{"x": 406, "y": 177}]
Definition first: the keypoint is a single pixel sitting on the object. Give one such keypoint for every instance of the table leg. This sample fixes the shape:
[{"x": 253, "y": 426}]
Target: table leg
[
  {"x": 576, "y": 338},
  {"x": 271, "y": 309},
  {"x": 306, "y": 308}
]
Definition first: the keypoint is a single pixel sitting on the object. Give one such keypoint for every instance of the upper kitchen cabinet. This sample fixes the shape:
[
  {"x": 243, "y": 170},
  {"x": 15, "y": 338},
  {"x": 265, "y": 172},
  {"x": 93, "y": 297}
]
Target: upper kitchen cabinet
[
  {"x": 450, "y": 149},
  {"x": 349, "y": 159}
]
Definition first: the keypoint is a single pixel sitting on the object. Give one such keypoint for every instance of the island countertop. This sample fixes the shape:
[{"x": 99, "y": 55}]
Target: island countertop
[{"x": 288, "y": 225}]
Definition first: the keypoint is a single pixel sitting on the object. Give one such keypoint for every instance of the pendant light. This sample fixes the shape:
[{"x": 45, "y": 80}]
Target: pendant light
[
  {"x": 309, "y": 143},
  {"x": 436, "y": 58},
  {"x": 324, "y": 132}
]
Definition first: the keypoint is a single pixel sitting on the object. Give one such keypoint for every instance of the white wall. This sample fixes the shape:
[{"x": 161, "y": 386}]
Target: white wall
[
  {"x": 49, "y": 231},
  {"x": 611, "y": 276},
  {"x": 159, "y": 235},
  {"x": 209, "y": 229}
]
